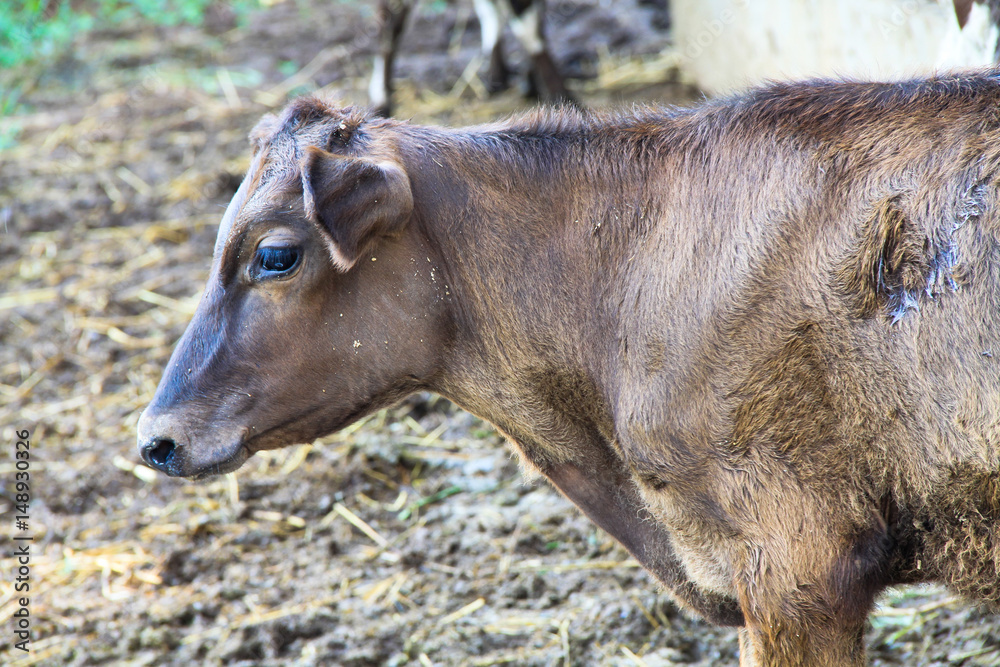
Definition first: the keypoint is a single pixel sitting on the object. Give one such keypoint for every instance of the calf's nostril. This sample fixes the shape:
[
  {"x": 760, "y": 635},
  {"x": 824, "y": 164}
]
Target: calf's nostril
[{"x": 158, "y": 452}]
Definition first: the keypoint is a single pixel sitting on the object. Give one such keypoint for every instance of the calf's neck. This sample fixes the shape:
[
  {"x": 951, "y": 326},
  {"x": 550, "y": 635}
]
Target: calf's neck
[{"x": 756, "y": 341}]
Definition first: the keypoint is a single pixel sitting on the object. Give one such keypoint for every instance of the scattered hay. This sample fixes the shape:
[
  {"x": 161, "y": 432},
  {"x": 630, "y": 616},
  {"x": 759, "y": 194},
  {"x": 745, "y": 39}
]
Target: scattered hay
[{"x": 108, "y": 204}]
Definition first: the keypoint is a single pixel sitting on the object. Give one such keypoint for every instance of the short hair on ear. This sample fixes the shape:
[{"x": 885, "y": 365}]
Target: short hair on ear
[{"x": 354, "y": 200}]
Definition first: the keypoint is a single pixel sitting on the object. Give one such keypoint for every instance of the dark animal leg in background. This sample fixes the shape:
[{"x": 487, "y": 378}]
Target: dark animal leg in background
[
  {"x": 491, "y": 24},
  {"x": 547, "y": 81},
  {"x": 392, "y": 16},
  {"x": 527, "y": 17},
  {"x": 498, "y": 74},
  {"x": 962, "y": 10},
  {"x": 964, "y": 7}
]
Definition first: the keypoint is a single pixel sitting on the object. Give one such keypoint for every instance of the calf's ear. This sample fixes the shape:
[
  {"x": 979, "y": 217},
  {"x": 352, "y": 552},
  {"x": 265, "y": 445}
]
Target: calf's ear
[{"x": 356, "y": 201}]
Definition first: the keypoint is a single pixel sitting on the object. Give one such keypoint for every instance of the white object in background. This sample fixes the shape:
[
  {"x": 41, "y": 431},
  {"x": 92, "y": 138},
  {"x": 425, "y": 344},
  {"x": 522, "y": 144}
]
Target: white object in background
[{"x": 728, "y": 45}]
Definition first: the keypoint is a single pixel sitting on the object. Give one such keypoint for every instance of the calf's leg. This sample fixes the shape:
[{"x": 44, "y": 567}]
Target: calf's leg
[
  {"x": 774, "y": 642},
  {"x": 806, "y": 589}
]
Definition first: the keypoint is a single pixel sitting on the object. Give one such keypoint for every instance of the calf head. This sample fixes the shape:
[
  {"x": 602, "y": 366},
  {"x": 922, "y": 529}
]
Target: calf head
[{"x": 321, "y": 305}]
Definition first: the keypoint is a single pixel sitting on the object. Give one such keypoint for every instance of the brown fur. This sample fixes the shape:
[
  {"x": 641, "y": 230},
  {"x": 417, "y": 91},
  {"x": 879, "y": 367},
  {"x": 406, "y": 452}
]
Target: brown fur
[{"x": 756, "y": 341}]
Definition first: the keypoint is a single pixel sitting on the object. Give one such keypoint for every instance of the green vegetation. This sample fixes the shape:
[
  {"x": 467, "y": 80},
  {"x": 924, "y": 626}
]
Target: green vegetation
[
  {"x": 440, "y": 495},
  {"x": 36, "y": 29},
  {"x": 8, "y": 134}
]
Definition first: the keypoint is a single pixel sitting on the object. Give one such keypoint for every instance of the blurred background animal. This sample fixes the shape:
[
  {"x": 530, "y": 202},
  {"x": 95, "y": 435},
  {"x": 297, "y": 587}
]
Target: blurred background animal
[{"x": 526, "y": 20}]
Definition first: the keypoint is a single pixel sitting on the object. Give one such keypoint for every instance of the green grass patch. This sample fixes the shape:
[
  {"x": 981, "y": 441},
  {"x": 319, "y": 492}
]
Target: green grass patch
[
  {"x": 440, "y": 495},
  {"x": 37, "y": 29},
  {"x": 8, "y": 135}
]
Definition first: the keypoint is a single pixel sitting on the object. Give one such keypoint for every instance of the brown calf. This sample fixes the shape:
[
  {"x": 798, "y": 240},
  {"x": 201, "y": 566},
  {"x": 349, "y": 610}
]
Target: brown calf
[{"x": 756, "y": 341}]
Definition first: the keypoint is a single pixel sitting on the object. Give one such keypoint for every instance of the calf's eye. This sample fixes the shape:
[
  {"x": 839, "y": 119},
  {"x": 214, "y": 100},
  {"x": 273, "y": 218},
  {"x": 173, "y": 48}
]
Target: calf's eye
[{"x": 276, "y": 260}]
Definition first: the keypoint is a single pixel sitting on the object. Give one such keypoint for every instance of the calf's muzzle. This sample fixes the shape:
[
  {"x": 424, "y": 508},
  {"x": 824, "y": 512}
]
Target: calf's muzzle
[{"x": 165, "y": 445}]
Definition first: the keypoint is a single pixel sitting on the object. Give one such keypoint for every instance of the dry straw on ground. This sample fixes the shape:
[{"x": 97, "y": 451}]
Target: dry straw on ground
[{"x": 408, "y": 538}]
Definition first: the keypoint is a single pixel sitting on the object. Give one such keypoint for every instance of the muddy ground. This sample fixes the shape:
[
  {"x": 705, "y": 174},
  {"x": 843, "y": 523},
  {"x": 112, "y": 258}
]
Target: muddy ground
[{"x": 410, "y": 540}]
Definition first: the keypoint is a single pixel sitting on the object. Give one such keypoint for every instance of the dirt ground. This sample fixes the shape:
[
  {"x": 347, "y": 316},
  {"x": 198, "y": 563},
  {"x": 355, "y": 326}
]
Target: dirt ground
[{"x": 411, "y": 539}]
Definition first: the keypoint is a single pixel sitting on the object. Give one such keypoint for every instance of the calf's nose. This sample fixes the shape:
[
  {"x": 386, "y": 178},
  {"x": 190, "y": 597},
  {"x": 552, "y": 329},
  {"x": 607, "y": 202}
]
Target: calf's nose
[
  {"x": 158, "y": 452},
  {"x": 158, "y": 442}
]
